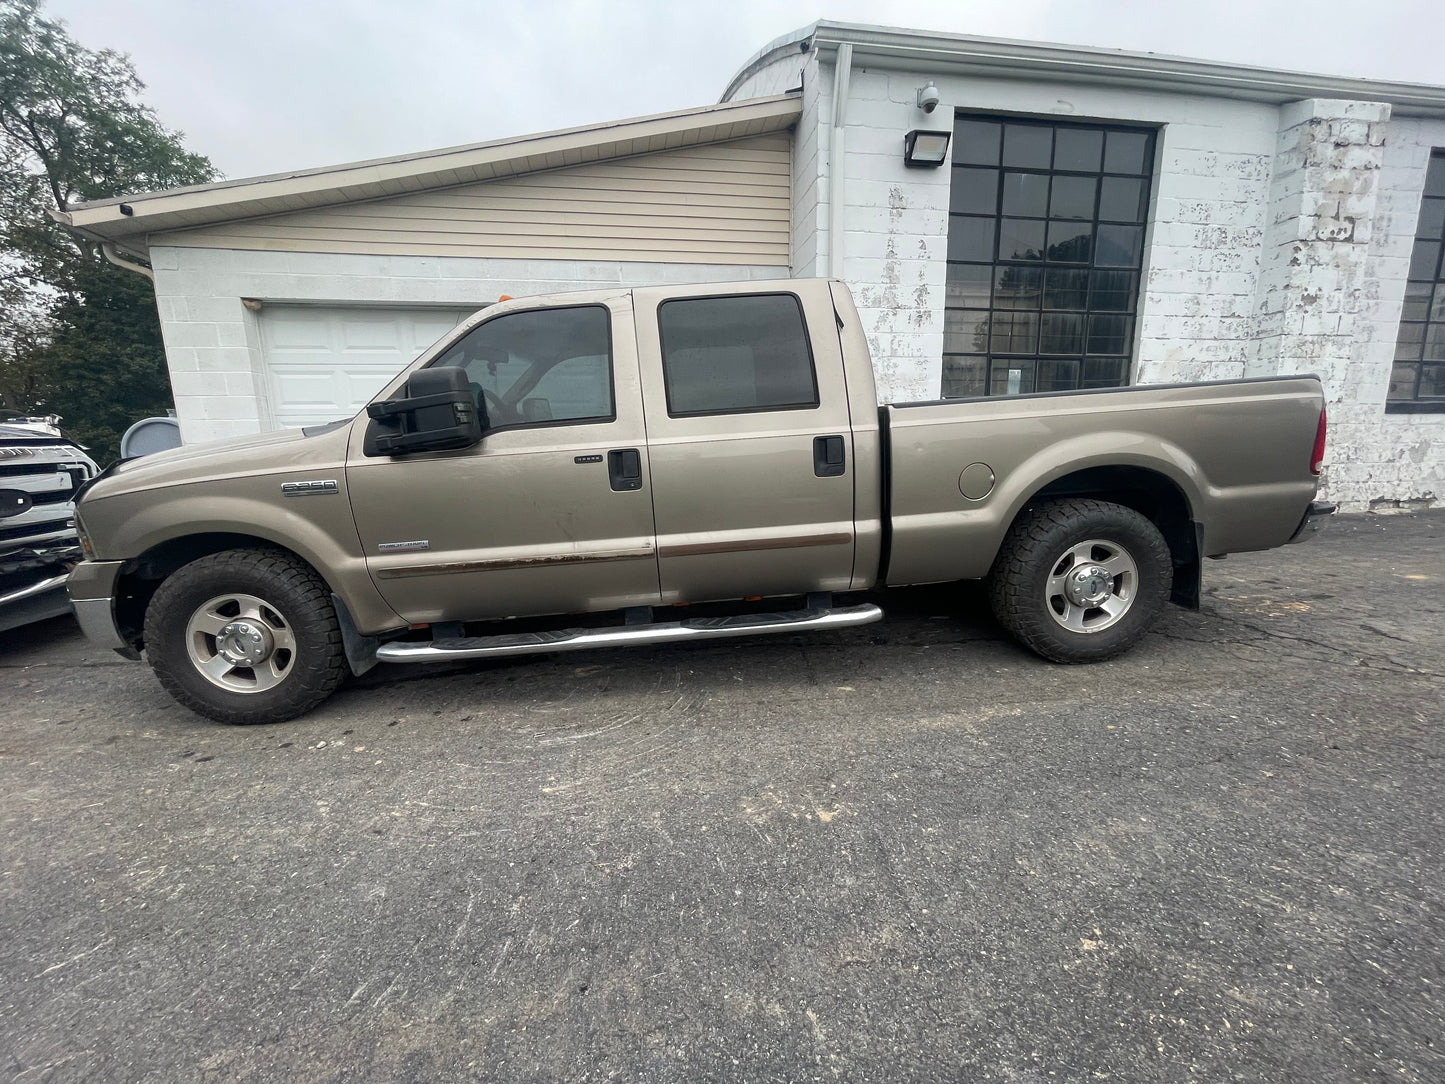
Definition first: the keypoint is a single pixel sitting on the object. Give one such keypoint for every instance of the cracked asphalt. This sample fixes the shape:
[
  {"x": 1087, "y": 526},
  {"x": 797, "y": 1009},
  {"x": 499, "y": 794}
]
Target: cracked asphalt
[{"x": 904, "y": 852}]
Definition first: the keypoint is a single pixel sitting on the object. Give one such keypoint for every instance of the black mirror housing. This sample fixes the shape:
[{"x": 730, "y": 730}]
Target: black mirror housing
[{"x": 435, "y": 412}]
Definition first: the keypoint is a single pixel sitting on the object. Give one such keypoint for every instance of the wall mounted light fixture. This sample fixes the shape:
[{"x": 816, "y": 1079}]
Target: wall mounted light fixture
[{"x": 925, "y": 150}]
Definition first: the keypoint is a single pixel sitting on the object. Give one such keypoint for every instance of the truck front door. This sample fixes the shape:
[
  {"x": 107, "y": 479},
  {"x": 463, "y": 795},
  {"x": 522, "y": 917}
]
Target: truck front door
[
  {"x": 552, "y": 511},
  {"x": 749, "y": 439}
]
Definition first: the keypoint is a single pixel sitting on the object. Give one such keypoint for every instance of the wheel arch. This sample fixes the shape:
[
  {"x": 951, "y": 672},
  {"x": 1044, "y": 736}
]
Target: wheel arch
[
  {"x": 139, "y": 577},
  {"x": 1147, "y": 489}
]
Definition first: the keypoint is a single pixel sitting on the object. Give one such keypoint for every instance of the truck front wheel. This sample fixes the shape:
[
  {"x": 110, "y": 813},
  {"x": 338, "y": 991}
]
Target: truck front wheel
[
  {"x": 245, "y": 636},
  {"x": 1080, "y": 580}
]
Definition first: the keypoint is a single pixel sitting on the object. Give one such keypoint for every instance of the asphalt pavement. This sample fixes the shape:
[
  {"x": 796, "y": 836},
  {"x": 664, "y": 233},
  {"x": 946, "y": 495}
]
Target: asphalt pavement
[{"x": 909, "y": 851}]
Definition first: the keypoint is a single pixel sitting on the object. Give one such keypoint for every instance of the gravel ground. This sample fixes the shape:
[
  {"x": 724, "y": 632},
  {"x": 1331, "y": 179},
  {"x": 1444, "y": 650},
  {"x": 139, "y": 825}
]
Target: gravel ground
[{"x": 904, "y": 852}]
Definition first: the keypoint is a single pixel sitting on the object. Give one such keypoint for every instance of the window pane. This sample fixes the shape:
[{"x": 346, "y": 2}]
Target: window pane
[
  {"x": 730, "y": 354},
  {"x": 1061, "y": 333},
  {"x": 1017, "y": 287},
  {"x": 1011, "y": 378},
  {"x": 1435, "y": 343},
  {"x": 1078, "y": 149},
  {"x": 1103, "y": 373},
  {"x": 1432, "y": 381},
  {"x": 967, "y": 285},
  {"x": 1113, "y": 291},
  {"x": 1056, "y": 375},
  {"x": 575, "y": 388},
  {"x": 1126, "y": 152},
  {"x": 1063, "y": 245},
  {"x": 1417, "y": 301},
  {"x": 975, "y": 142},
  {"x": 546, "y": 365},
  {"x": 963, "y": 376},
  {"x": 970, "y": 239},
  {"x": 1027, "y": 145},
  {"x": 1070, "y": 242},
  {"x": 1410, "y": 342},
  {"x": 1073, "y": 197},
  {"x": 965, "y": 331},
  {"x": 1026, "y": 194},
  {"x": 974, "y": 190},
  {"x": 1109, "y": 334},
  {"x": 1119, "y": 246},
  {"x": 1121, "y": 199},
  {"x": 1402, "y": 381},
  {"x": 1425, "y": 260},
  {"x": 1435, "y": 176},
  {"x": 1066, "y": 288},
  {"x": 1021, "y": 239},
  {"x": 1432, "y": 219},
  {"x": 1437, "y": 310},
  {"x": 1015, "y": 333}
]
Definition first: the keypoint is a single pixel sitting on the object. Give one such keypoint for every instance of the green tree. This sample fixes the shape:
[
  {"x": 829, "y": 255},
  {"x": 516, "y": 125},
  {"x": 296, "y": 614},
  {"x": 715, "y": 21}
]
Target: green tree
[{"x": 78, "y": 336}]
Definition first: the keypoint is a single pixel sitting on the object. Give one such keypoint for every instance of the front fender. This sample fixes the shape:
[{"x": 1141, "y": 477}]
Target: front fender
[{"x": 319, "y": 529}]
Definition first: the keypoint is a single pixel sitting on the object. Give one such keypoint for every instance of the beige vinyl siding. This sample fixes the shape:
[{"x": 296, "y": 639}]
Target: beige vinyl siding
[{"x": 723, "y": 203}]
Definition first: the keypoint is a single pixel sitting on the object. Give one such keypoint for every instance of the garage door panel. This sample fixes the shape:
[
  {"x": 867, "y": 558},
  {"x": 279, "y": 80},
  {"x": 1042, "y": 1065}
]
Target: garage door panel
[{"x": 326, "y": 362}]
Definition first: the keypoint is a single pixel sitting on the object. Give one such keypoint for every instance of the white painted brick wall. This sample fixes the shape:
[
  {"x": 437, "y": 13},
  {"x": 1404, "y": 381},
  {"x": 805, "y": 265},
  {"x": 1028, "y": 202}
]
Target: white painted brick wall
[
  {"x": 213, "y": 342},
  {"x": 1380, "y": 460},
  {"x": 1207, "y": 220},
  {"x": 1234, "y": 192}
]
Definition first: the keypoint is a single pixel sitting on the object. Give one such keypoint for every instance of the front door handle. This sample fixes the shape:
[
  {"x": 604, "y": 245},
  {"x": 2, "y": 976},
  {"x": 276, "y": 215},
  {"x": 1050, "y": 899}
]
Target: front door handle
[
  {"x": 829, "y": 459},
  {"x": 624, "y": 469}
]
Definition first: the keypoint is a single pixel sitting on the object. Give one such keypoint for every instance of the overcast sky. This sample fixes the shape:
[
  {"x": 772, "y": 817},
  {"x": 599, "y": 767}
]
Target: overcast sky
[{"x": 266, "y": 86}]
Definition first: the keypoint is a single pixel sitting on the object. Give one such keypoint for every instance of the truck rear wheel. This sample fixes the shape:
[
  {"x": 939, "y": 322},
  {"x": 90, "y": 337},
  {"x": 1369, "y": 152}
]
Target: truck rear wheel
[
  {"x": 1080, "y": 580},
  {"x": 245, "y": 636}
]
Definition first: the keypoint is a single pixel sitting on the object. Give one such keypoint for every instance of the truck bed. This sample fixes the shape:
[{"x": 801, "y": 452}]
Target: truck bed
[{"x": 1236, "y": 452}]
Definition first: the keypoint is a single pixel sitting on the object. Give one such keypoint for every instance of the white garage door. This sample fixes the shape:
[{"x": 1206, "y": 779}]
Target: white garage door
[{"x": 325, "y": 362}]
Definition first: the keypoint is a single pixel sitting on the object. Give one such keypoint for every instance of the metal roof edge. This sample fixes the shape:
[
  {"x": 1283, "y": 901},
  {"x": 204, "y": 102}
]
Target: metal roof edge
[
  {"x": 1013, "y": 58},
  {"x": 794, "y": 41},
  {"x": 104, "y": 219}
]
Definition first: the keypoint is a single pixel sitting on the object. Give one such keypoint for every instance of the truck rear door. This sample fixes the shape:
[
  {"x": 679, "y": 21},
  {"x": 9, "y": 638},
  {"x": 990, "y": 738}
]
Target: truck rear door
[{"x": 749, "y": 440}]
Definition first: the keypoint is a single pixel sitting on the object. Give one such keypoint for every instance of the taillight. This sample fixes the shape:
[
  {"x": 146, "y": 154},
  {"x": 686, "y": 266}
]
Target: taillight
[{"x": 1317, "y": 457}]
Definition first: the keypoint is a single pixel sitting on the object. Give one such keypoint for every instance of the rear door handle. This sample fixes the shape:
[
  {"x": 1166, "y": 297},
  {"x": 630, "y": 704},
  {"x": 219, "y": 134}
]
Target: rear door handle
[
  {"x": 829, "y": 459},
  {"x": 624, "y": 469}
]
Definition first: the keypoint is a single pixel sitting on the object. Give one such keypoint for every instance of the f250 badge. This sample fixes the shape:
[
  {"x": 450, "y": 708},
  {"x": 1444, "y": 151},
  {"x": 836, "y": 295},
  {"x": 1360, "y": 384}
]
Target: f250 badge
[{"x": 310, "y": 489}]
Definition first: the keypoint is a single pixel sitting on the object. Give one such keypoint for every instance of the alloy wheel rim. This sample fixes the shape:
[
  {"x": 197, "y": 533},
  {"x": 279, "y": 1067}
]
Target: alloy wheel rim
[
  {"x": 240, "y": 643},
  {"x": 1091, "y": 586}
]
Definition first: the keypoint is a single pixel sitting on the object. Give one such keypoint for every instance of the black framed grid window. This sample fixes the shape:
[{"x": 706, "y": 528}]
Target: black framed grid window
[
  {"x": 1045, "y": 244},
  {"x": 1417, "y": 379}
]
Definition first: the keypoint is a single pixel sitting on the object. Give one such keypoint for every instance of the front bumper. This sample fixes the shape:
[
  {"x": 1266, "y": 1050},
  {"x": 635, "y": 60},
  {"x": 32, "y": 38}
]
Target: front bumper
[
  {"x": 1314, "y": 519},
  {"x": 37, "y": 601},
  {"x": 92, "y": 593}
]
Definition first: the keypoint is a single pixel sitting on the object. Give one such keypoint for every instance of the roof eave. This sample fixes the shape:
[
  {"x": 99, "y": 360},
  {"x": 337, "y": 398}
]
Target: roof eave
[{"x": 128, "y": 219}]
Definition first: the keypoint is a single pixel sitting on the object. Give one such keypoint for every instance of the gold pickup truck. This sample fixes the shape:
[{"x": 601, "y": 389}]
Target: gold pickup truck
[{"x": 605, "y": 459}]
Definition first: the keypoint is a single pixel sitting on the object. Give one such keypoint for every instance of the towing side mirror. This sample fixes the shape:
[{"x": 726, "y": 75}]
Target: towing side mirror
[{"x": 436, "y": 412}]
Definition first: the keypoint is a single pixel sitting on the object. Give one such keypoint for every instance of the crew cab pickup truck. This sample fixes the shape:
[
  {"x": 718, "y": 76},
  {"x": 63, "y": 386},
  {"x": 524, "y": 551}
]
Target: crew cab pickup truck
[{"x": 603, "y": 460}]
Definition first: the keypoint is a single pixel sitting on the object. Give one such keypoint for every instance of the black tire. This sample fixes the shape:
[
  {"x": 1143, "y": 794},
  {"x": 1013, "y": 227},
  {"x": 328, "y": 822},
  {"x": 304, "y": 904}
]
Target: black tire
[
  {"x": 1049, "y": 553},
  {"x": 305, "y": 665}
]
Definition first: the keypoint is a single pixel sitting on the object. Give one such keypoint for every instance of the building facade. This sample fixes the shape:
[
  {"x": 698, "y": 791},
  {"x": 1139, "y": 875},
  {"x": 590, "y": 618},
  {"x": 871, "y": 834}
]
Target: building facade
[{"x": 1100, "y": 219}]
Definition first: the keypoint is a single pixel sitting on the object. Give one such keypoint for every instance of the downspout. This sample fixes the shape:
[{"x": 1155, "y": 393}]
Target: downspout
[
  {"x": 842, "y": 73},
  {"x": 112, "y": 254}
]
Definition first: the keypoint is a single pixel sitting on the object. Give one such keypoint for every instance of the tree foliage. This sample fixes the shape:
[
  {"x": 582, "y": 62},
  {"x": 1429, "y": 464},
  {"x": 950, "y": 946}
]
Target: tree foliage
[{"x": 78, "y": 336}]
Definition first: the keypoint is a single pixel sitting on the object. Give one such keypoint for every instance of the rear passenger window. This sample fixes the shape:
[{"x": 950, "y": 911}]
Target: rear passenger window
[{"x": 736, "y": 355}]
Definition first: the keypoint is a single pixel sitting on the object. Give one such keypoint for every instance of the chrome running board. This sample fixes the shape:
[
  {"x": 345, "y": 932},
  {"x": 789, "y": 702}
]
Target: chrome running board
[{"x": 700, "y": 628}]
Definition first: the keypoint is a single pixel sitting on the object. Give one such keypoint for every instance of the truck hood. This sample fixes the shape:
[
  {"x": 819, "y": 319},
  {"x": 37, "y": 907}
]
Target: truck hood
[{"x": 266, "y": 453}]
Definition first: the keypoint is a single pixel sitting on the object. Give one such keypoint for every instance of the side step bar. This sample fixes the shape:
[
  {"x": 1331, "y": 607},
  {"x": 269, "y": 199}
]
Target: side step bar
[{"x": 703, "y": 628}]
